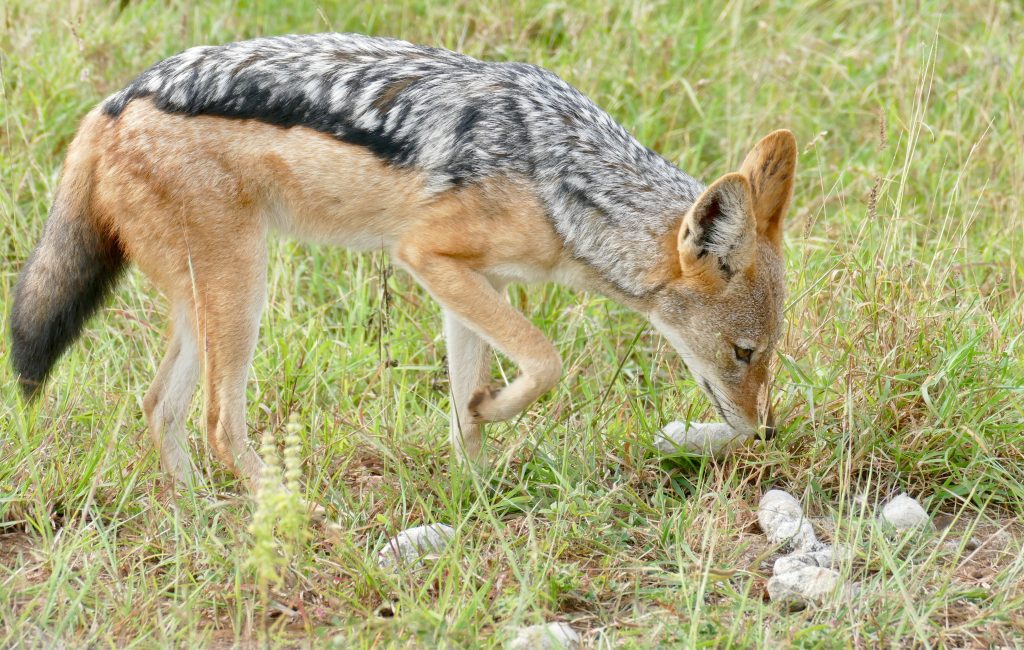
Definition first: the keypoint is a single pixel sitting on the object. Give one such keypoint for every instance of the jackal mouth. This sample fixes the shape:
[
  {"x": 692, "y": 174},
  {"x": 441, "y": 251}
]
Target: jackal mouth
[{"x": 714, "y": 401}]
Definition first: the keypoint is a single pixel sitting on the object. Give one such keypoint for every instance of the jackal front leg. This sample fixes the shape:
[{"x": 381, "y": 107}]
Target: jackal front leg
[
  {"x": 469, "y": 365},
  {"x": 468, "y": 295}
]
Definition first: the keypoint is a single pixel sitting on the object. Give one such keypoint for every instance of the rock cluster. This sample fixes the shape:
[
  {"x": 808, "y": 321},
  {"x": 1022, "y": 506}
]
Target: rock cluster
[{"x": 805, "y": 576}]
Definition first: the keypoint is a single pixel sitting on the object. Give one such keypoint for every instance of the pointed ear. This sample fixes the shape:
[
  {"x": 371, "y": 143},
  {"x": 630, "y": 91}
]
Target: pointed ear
[
  {"x": 771, "y": 168},
  {"x": 716, "y": 238}
]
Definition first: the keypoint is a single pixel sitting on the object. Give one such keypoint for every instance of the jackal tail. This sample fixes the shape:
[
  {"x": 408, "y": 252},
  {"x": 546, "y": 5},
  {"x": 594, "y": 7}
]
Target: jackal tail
[{"x": 72, "y": 269}]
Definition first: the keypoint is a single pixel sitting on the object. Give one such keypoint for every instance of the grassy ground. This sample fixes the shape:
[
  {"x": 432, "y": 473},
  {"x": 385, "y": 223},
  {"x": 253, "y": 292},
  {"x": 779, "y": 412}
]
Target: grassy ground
[{"x": 901, "y": 370}]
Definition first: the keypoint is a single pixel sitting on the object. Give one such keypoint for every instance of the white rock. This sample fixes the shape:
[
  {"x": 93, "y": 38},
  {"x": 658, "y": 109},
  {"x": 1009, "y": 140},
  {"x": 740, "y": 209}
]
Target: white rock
[
  {"x": 805, "y": 576},
  {"x": 904, "y": 513},
  {"x": 550, "y": 636},
  {"x": 706, "y": 438},
  {"x": 809, "y": 585},
  {"x": 796, "y": 561},
  {"x": 412, "y": 544},
  {"x": 783, "y": 522}
]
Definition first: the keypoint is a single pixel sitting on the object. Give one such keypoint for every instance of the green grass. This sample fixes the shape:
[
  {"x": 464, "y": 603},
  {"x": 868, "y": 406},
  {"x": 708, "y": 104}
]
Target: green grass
[{"x": 901, "y": 369}]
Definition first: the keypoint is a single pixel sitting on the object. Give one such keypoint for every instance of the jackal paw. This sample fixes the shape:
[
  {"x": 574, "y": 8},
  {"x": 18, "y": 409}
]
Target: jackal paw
[{"x": 481, "y": 404}]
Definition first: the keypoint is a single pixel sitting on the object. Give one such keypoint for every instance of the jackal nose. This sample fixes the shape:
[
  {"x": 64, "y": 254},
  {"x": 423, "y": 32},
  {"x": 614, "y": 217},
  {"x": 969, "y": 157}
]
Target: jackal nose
[{"x": 769, "y": 424}]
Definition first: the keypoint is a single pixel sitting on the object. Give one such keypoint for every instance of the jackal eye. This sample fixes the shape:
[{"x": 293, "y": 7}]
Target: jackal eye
[{"x": 743, "y": 354}]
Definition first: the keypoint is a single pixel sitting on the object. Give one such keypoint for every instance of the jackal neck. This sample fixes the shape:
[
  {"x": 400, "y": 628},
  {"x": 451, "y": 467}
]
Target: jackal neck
[{"x": 616, "y": 209}]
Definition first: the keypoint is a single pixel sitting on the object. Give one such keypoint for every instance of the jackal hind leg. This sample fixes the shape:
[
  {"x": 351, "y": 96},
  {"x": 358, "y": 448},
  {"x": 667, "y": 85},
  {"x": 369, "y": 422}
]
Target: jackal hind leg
[
  {"x": 229, "y": 309},
  {"x": 169, "y": 397}
]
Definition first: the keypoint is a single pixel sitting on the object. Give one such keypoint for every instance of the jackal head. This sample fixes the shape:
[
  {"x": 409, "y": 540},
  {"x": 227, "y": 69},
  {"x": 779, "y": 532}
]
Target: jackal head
[{"x": 723, "y": 309}]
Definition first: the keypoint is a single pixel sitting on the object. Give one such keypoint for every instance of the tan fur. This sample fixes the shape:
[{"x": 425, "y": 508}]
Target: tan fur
[
  {"x": 771, "y": 167},
  {"x": 461, "y": 238},
  {"x": 746, "y": 310},
  {"x": 169, "y": 397},
  {"x": 192, "y": 199},
  {"x": 76, "y": 179}
]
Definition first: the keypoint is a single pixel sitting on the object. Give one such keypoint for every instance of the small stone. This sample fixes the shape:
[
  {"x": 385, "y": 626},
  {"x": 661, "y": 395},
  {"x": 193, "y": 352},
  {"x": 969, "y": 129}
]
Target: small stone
[
  {"x": 783, "y": 522},
  {"x": 796, "y": 561},
  {"x": 904, "y": 513},
  {"x": 549, "y": 636},
  {"x": 410, "y": 545},
  {"x": 791, "y": 563},
  {"x": 807, "y": 586},
  {"x": 704, "y": 438}
]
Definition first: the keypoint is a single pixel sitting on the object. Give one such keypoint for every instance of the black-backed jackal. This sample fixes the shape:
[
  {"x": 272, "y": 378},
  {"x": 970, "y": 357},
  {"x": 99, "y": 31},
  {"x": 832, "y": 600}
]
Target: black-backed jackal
[{"x": 471, "y": 174}]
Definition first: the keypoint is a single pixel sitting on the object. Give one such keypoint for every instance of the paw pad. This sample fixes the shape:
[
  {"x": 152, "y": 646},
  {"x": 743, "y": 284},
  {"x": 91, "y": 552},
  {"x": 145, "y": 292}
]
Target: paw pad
[{"x": 479, "y": 397}]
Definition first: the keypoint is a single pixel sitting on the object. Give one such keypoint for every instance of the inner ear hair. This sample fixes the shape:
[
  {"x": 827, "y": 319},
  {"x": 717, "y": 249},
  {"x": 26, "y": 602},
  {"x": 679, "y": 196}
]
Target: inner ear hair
[
  {"x": 716, "y": 235},
  {"x": 719, "y": 218}
]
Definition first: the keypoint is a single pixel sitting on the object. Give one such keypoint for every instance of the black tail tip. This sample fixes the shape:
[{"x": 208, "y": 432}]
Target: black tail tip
[
  {"x": 30, "y": 388},
  {"x": 30, "y": 361}
]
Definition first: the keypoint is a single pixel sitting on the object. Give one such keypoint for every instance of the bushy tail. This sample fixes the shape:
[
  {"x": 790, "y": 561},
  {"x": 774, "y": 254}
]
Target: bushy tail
[{"x": 72, "y": 269}]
